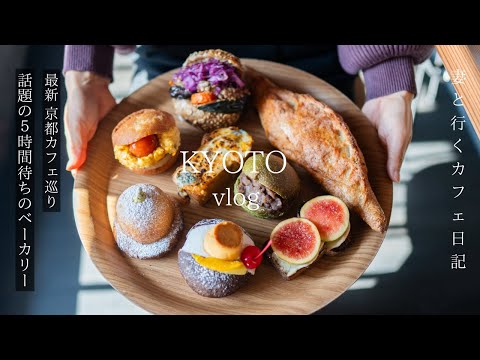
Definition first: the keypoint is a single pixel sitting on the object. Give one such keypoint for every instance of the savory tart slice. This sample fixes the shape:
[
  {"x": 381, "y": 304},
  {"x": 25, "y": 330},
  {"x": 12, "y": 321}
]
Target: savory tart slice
[{"x": 205, "y": 171}]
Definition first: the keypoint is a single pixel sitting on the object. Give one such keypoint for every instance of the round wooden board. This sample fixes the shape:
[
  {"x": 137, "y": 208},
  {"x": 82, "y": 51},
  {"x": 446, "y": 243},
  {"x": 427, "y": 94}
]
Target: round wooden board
[{"x": 156, "y": 285}]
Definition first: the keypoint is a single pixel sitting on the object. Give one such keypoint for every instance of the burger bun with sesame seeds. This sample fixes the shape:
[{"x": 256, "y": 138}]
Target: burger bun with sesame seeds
[{"x": 209, "y": 91}]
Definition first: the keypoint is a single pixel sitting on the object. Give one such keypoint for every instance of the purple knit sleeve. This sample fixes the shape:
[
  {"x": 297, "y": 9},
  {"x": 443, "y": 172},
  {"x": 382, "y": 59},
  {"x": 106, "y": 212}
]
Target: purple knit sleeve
[
  {"x": 95, "y": 58},
  {"x": 387, "y": 68}
]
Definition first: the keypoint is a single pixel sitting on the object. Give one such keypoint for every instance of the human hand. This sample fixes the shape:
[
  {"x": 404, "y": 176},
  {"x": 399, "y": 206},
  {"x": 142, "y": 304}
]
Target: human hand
[
  {"x": 392, "y": 117},
  {"x": 88, "y": 101}
]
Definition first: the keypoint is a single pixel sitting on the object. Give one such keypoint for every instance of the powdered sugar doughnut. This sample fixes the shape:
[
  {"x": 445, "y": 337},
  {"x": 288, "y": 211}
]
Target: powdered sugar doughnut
[{"x": 148, "y": 222}]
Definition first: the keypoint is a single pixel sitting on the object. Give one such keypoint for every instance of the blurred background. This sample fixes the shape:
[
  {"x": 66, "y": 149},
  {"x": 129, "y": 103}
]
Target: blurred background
[{"x": 410, "y": 275}]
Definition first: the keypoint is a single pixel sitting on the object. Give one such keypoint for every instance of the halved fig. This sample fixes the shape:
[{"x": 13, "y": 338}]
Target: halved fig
[
  {"x": 329, "y": 214},
  {"x": 296, "y": 240},
  {"x": 331, "y": 245}
]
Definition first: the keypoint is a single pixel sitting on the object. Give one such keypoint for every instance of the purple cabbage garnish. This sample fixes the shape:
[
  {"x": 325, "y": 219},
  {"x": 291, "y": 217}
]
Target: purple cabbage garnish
[{"x": 219, "y": 74}]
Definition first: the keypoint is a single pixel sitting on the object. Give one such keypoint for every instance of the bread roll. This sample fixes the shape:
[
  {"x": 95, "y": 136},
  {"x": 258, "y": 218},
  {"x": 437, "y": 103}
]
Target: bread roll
[
  {"x": 139, "y": 125},
  {"x": 148, "y": 222}
]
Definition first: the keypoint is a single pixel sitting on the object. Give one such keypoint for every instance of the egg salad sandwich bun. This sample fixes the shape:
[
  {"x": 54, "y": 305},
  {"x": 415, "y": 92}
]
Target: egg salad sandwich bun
[{"x": 146, "y": 141}]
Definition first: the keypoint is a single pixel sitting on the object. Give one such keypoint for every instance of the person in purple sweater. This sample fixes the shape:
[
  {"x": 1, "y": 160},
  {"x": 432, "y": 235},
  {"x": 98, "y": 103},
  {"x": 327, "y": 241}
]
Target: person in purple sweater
[{"x": 388, "y": 71}]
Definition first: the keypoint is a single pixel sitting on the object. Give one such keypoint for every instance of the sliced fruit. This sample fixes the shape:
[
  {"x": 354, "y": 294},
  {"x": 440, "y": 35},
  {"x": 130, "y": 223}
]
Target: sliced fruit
[
  {"x": 296, "y": 240},
  {"x": 225, "y": 266},
  {"x": 289, "y": 270},
  {"x": 203, "y": 98},
  {"x": 329, "y": 214},
  {"x": 337, "y": 243},
  {"x": 144, "y": 146},
  {"x": 224, "y": 241}
]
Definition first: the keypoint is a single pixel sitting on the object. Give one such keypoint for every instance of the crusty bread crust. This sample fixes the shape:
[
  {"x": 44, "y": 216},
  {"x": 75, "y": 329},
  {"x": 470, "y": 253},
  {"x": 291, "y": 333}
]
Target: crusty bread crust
[
  {"x": 140, "y": 124},
  {"x": 313, "y": 135}
]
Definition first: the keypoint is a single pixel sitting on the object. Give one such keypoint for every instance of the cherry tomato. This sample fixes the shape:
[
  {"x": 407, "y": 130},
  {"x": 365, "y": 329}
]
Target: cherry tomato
[{"x": 144, "y": 146}]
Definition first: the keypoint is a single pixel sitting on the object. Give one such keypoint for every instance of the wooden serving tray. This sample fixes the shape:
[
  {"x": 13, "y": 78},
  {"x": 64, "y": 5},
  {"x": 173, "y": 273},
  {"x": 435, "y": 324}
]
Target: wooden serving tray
[{"x": 156, "y": 285}]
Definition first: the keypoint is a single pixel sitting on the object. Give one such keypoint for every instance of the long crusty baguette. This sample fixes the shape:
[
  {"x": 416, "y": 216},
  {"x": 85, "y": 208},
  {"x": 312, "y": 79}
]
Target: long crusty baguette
[{"x": 313, "y": 135}]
